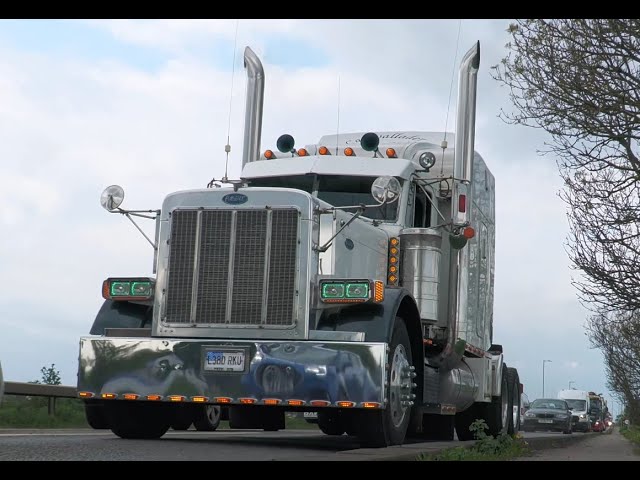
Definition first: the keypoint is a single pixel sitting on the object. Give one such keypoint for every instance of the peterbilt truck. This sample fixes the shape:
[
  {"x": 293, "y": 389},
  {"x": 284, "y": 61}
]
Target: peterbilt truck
[{"x": 352, "y": 277}]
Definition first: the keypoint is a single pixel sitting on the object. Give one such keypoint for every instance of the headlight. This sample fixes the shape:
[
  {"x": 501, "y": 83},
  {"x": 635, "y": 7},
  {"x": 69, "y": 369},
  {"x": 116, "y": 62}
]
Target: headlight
[
  {"x": 582, "y": 415},
  {"x": 529, "y": 414}
]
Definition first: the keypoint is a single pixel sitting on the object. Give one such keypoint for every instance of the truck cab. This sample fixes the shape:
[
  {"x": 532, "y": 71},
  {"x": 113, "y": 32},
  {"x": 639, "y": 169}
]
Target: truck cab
[{"x": 579, "y": 402}]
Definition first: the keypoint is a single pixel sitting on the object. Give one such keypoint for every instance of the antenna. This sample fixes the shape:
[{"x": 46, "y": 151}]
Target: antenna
[
  {"x": 338, "y": 126},
  {"x": 227, "y": 147},
  {"x": 446, "y": 122}
]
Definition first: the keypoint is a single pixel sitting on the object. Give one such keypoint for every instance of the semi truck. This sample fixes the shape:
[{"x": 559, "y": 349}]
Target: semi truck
[{"x": 352, "y": 277}]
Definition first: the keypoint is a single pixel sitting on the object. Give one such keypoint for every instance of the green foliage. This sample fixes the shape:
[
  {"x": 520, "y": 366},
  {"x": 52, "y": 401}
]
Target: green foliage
[
  {"x": 631, "y": 433},
  {"x": 33, "y": 412},
  {"x": 50, "y": 375},
  {"x": 486, "y": 447}
]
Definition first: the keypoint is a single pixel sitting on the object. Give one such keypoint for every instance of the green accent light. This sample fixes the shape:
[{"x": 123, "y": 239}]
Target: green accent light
[
  {"x": 120, "y": 289},
  {"x": 358, "y": 290},
  {"x": 141, "y": 289},
  {"x": 333, "y": 290}
]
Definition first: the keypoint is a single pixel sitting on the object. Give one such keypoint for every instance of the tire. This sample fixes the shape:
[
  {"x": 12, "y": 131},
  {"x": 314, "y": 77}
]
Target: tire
[
  {"x": 206, "y": 418},
  {"x": 330, "y": 422},
  {"x": 513, "y": 382},
  {"x": 183, "y": 417},
  {"x": 497, "y": 412},
  {"x": 389, "y": 426},
  {"x": 143, "y": 420},
  {"x": 94, "y": 413}
]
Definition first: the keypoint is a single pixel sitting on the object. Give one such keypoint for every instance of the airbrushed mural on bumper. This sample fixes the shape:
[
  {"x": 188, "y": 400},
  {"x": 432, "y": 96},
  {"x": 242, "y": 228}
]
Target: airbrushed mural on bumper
[{"x": 330, "y": 371}]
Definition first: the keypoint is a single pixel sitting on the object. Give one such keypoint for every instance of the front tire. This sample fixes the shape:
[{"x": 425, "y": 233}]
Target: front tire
[{"x": 389, "y": 426}]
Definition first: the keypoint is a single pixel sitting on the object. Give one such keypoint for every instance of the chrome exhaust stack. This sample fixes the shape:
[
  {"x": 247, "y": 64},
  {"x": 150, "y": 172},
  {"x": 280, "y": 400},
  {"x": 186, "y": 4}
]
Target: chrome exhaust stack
[
  {"x": 254, "y": 104},
  {"x": 466, "y": 115}
]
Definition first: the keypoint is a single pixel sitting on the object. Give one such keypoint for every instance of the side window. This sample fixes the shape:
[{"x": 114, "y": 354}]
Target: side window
[{"x": 422, "y": 209}]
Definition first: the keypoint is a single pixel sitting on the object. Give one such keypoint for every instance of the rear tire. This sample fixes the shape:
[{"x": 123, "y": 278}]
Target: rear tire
[
  {"x": 206, "y": 418},
  {"x": 139, "y": 420},
  {"x": 389, "y": 426},
  {"x": 330, "y": 422},
  {"x": 183, "y": 417},
  {"x": 497, "y": 412},
  {"x": 513, "y": 381}
]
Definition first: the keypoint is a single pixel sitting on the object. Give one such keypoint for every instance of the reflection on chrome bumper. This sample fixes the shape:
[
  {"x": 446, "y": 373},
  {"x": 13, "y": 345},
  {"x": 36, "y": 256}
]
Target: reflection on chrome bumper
[{"x": 327, "y": 372}]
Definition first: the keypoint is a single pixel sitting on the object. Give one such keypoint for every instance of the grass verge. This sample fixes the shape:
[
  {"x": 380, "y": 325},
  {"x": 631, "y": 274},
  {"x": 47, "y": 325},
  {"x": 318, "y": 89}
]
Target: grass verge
[{"x": 486, "y": 447}]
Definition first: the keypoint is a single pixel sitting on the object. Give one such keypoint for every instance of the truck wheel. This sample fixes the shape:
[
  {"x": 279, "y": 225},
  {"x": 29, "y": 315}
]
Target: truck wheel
[
  {"x": 94, "y": 413},
  {"x": 143, "y": 420},
  {"x": 183, "y": 417},
  {"x": 389, "y": 426},
  {"x": 206, "y": 418},
  {"x": 497, "y": 412},
  {"x": 464, "y": 420},
  {"x": 330, "y": 422},
  {"x": 513, "y": 380}
]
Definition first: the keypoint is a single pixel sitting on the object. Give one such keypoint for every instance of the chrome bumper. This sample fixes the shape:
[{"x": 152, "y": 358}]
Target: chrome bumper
[{"x": 302, "y": 373}]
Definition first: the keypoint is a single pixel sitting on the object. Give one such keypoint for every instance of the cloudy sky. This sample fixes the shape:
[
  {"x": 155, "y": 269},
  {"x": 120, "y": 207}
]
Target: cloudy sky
[{"x": 148, "y": 104}]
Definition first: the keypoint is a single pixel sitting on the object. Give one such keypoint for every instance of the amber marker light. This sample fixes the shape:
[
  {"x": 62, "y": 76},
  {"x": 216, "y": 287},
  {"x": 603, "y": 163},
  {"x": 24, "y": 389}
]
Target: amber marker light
[
  {"x": 323, "y": 151},
  {"x": 109, "y": 396},
  {"x": 295, "y": 403},
  {"x": 349, "y": 152},
  {"x": 131, "y": 396},
  {"x": 346, "y": 404},
  {"x": 319, "y": 403},
  {"x": 200, "y": 399},
  {"x": 154, "y": 398},
  {"x": 391, "y": 153},
  {"x": 177, "y": 398},
  {"x": 222, "y": 400},
  {"x": 268, "y": 154},
  {"x": 378, "y": 291},
  {"x": 247, "y": 401},
  {"x": 85, "y": 394},
  {"x": 303, "y": 152},
  {"x": 271, "y": 401},
  {"x": 371, "y": 405}
]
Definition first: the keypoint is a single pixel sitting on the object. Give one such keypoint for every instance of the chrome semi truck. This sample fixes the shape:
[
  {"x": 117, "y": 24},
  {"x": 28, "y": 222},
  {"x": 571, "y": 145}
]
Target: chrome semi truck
[{"x": 352, "y": 277}]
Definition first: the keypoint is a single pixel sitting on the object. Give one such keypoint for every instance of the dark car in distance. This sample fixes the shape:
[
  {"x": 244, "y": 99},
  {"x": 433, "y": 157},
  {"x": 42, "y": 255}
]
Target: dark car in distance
[{"x": 548, "y": 414}]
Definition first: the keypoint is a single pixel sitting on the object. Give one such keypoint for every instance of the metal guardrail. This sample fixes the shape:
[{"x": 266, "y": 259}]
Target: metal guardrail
[{"x": 41, "y": 390}]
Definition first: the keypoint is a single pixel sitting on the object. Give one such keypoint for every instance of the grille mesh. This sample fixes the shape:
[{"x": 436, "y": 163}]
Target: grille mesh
[{"x": 245, "y": 248}]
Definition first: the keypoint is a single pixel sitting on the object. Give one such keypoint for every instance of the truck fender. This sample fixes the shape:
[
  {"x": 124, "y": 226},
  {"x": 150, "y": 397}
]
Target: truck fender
[
  {"x": 376, "y": 320},
  {"x": 121, "y": 314}
]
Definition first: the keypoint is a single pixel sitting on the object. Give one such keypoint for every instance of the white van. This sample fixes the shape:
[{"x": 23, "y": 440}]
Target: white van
[{"x": 578, "y": 401}]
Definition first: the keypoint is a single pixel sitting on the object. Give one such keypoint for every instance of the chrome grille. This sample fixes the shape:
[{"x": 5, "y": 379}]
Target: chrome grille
[{"x": 244, "y": 263}]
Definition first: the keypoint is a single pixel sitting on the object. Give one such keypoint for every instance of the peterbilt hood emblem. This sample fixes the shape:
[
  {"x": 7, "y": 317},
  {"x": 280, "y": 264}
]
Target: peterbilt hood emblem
[{"x": 235, "y": 198}]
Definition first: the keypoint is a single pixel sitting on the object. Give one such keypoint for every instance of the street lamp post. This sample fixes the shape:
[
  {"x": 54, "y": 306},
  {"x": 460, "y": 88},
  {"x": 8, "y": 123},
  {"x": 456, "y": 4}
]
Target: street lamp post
[{"x": 544, "y": 362}]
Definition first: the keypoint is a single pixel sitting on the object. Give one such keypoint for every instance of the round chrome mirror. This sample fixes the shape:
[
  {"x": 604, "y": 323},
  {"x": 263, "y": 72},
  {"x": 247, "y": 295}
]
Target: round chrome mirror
[
  {"x": 385, "y": 189},
  {"x": 112, "y": 197}
]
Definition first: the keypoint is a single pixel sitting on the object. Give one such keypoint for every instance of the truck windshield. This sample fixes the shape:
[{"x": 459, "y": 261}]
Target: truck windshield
[
  {"x": 336, "y": 190},
  {"x": 578, "y": 405}
]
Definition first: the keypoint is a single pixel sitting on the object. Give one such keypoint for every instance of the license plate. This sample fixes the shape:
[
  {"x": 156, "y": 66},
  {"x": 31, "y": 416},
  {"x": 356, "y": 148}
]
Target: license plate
[
  {"x": 224, "y": 360},
  {"x": 545, "y": 420}
]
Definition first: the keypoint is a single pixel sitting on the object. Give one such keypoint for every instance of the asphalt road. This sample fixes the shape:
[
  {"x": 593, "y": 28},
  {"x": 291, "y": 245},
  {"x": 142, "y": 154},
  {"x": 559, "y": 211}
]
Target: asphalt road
[{"x": 222, "y": 445}]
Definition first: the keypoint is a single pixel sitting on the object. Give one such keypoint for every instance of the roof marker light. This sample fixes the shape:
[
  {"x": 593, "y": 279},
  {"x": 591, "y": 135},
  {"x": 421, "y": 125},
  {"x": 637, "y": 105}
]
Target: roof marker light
[{"x": 349, "y": 152}]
